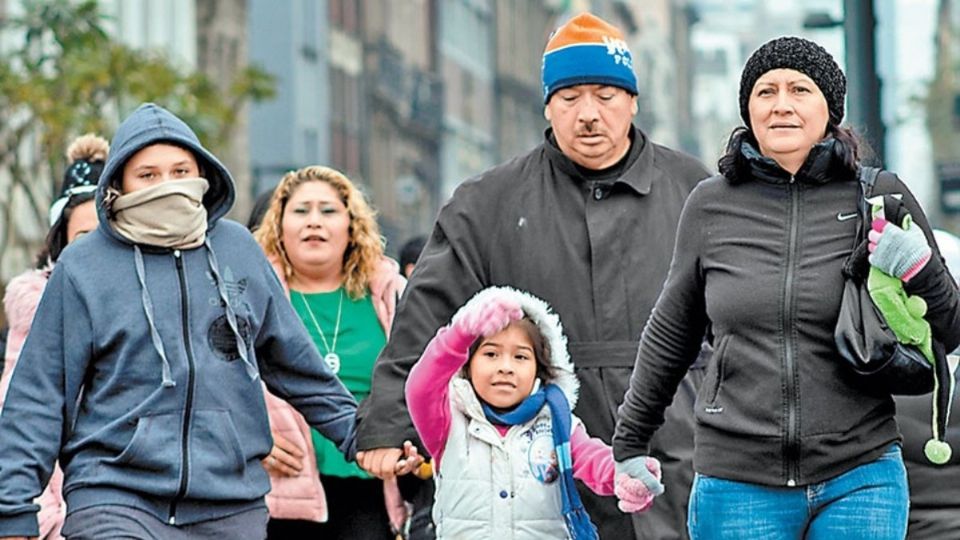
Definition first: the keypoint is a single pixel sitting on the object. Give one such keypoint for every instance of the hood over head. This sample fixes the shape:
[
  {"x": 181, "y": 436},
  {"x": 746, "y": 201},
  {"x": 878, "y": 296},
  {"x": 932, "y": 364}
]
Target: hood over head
[
  {"x": 152, "y": 124},
  {"x": 549, "y": 324}
]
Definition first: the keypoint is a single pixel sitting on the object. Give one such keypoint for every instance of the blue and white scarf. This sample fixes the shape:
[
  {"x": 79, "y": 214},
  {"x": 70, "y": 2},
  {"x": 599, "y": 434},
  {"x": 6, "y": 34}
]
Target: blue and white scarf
[{"x": 578, "y": 522}]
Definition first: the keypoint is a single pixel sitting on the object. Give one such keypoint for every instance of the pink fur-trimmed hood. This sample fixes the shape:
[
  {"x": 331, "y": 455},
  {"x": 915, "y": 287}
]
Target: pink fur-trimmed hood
[{"x": 549, "y": 324}]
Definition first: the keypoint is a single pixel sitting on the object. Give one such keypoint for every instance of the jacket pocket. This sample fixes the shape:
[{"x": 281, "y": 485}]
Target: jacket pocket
[
  {"x": 713, "y": 380},
  {"x": 154, "y": 446},
  {"x": 217, "y": 461},
  {"x": 736, "y": 396}
]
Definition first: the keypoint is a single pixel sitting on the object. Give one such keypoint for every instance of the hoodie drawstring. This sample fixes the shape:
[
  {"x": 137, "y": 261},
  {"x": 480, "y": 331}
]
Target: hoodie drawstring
[
  {"x": 168, "y": 381},
  {"x": 252, "y": 371}
]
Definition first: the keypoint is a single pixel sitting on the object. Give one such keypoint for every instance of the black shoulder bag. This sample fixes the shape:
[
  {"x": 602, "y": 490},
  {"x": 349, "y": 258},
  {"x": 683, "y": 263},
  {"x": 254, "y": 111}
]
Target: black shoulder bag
[{"x": 863, "y": 338}]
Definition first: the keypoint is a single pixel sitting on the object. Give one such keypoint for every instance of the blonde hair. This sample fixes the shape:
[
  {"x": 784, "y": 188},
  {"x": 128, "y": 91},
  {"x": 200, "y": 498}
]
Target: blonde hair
[{"x": 364, "y": 246}]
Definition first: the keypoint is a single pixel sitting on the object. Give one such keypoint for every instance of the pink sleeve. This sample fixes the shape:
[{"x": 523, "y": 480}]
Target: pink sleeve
[
  {"x": 592, "y": 461},
  {"x": 427, "y": 388}
]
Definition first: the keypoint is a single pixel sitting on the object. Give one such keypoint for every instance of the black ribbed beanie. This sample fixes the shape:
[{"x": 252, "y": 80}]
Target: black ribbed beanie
[{"x": 801, "y": 55}]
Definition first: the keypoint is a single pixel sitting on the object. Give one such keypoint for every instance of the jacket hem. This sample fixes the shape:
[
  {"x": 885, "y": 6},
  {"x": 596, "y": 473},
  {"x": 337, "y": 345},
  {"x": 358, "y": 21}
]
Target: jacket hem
[
  {"x": 760, "y": 460},
  {"x": 188, "y": 511},
  {"x": 22, "y": 524}
]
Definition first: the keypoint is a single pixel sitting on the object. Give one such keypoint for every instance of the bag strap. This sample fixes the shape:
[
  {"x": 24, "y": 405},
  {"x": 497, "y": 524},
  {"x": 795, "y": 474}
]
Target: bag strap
[
  {"x": 855, "y": 265},
  {"x": 868, "y": 180}
]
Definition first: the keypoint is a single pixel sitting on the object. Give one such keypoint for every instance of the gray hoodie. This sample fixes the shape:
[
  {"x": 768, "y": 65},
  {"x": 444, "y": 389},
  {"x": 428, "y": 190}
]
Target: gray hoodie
[{"x": 133, "y": 374}]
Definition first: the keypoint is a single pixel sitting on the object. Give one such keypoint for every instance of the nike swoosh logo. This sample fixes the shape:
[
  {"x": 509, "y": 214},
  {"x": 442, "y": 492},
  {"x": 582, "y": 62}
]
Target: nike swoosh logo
[{"x": 844, "y": 217}]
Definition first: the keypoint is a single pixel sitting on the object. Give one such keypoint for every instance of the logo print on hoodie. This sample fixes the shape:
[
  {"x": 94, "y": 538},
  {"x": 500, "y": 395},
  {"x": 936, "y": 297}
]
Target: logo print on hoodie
[{"x": 220, "y": 336}]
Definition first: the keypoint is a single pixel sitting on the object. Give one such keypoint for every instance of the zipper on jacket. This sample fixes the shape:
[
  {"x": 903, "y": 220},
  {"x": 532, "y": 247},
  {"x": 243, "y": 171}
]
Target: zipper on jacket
[
  {"x": 792, "y": 443},
  {"x": 188, "y": 407}
]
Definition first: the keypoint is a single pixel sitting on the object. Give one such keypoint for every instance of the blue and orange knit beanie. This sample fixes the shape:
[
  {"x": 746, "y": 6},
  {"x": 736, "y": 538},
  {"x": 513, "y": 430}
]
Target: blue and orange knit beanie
[{"x": 587, "y": 50}]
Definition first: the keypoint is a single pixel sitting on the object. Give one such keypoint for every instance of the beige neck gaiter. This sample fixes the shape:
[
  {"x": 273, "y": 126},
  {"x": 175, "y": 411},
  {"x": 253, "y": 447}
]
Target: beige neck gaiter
[{"x": 170, "y": 214}]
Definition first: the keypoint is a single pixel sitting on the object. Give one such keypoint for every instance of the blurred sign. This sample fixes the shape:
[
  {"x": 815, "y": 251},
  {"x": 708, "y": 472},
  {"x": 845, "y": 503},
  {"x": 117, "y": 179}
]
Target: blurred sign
[{"x": 949, "y": 176}]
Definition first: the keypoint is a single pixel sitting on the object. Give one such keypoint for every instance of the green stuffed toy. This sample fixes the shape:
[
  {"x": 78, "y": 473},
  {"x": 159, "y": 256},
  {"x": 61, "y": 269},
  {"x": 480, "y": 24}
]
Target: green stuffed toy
[{"x": 904, "y": 315}]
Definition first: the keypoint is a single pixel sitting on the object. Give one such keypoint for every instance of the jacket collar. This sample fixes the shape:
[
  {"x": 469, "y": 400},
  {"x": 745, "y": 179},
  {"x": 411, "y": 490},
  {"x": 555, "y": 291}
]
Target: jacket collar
[
  {"x": 817, "y": 169},
  {"x": 638, "y": 174}
]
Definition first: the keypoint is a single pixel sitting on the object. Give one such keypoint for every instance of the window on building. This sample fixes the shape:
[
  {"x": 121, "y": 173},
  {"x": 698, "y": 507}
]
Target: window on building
[
  {"x": 309, "y": 20},
  {"x": 311, "y": 146},
  {"x": 344, "y": 15},
  {"x": 346, "y": 111}
]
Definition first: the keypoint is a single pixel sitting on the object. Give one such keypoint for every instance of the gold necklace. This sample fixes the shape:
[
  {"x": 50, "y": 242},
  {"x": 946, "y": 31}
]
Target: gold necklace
[{"x": 332, "y": 359}]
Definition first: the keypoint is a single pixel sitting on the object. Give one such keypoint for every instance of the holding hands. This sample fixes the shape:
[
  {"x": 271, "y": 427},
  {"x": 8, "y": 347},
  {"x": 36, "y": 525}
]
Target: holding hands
[
  {"x": 637, "y": 483},
  {"x": 386, "y": 463}
]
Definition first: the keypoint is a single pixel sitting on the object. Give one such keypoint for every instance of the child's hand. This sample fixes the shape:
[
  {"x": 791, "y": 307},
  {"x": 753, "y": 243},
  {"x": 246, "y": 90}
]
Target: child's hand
[
  {"x": 637, "y": 483},
  {"x": 486, "y": 316},
  {"x": 410, "y": 461}
]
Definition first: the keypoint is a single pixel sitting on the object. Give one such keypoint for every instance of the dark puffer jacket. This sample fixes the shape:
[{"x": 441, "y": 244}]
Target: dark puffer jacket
[{"x": 758, "y": 264}]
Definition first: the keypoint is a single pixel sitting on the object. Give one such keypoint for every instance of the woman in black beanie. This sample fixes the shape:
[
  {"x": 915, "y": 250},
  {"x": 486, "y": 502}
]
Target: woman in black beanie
[{"x": 789, "y": 443}]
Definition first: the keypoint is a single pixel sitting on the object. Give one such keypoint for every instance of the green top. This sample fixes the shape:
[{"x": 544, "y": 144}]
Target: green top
[{"x": 358, "y": 343}]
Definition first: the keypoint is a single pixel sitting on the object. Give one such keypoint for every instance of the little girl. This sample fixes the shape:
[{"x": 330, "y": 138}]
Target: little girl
[{"x": 491, "y": 399}]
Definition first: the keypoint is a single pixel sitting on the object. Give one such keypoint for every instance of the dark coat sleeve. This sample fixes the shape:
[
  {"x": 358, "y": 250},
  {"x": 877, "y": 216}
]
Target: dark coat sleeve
[
  {"x": 934, "y": 283},
  {"x": 450, "y": 270},
  {"x": 670, "y": 342}
]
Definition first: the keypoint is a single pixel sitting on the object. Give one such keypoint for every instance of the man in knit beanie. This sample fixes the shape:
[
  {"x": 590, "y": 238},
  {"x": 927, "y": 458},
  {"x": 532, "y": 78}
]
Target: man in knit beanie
[{"x": 586, "y": 221}]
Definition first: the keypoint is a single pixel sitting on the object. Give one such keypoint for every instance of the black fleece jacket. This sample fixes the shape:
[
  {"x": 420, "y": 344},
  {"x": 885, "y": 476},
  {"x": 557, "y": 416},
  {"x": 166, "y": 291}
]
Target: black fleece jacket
[{"x": 757, "y": 264}]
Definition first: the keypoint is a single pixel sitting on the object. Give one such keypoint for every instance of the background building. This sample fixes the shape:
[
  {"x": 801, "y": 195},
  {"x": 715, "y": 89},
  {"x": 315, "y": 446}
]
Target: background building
[{"x": 410, "y": 98}]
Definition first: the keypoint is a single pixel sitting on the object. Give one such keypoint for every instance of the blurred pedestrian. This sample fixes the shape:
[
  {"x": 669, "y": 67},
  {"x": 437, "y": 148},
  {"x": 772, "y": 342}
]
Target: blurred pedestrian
[
  {"x": 585, "y": 221},
  {"x": 72, "y": 214},
  {"x": 325, "y": 245},
  {"x": 143, "y": 366},
  {"x": 409, "y": 253},
  {"x": 260, "y": 206},
  {"x": 789, "y": 444}
]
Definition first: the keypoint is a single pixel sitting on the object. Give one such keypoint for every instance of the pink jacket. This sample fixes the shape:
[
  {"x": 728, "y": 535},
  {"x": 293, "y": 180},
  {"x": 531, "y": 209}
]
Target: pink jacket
[
  {"x": 302, "y": 496},
  {"x": 20, "y": 303}
]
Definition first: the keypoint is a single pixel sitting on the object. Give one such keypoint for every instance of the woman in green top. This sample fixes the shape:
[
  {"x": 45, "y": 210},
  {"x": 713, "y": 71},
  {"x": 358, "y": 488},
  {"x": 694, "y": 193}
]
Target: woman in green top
[{"x": 322, "y": 238}]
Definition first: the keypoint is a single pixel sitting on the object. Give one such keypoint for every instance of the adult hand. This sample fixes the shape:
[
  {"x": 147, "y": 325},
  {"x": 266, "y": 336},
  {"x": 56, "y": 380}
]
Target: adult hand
[
  {"x": 386, "y": 285},
  {"x": 380, "y": 462},
  {"x": 285, "y": 459},
  {"x": 898, "y": 252}
]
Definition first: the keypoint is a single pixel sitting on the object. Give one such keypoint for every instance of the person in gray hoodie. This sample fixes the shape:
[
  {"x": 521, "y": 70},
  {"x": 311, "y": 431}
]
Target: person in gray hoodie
[{"x": 143, "y": 369}]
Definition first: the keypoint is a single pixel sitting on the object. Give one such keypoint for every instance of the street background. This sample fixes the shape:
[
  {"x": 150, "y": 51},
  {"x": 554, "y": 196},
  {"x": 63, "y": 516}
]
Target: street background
[{"x": 411, "y": 97}]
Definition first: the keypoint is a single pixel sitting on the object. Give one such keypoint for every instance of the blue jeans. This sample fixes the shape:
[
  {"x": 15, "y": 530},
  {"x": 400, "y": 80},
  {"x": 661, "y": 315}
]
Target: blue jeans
[{"x": 869, "y": 502}]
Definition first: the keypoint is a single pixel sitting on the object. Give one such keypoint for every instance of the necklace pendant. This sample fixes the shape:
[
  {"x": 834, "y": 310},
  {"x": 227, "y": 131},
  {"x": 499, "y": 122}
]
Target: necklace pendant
[{"x": 332, "y": 360}]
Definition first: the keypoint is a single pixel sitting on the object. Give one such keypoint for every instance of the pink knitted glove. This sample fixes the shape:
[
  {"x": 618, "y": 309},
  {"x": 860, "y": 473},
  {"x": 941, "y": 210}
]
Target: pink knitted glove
[
  {"x": 898, "y": 252},
  {"x": 485, "y": 314},
  {"x": 637, "y": 494}
]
